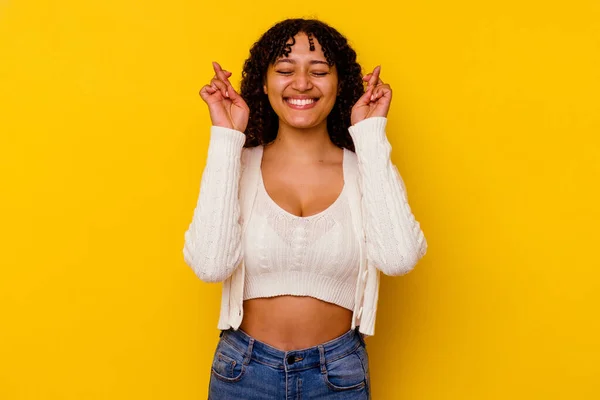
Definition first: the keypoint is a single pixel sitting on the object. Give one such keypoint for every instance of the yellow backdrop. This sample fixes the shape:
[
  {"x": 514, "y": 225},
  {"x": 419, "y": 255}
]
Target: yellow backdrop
[{"x": 494, "y": 123}]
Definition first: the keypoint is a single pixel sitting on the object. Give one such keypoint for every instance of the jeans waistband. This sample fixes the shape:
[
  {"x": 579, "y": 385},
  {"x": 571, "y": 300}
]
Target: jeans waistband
[{"x": 294, "y": 359}]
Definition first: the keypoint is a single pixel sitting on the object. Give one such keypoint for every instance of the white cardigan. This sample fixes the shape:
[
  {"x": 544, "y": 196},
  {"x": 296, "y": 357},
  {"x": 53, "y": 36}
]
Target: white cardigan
[{"x": 390, "y": 239}]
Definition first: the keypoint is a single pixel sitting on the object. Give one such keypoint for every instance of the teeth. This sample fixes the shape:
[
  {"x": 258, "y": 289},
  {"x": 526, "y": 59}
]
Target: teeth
[{"x": 303, "y": 102}]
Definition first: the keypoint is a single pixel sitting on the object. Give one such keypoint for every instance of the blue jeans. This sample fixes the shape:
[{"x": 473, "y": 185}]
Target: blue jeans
[{"x": 245, "y": 368}]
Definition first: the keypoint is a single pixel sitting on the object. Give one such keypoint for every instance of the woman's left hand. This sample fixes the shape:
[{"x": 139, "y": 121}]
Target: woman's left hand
[{"x": 376, "y": 100}]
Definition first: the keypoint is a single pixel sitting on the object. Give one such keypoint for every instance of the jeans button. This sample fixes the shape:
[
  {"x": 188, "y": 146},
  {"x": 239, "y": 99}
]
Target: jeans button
[{"x": 291, "y": 359}]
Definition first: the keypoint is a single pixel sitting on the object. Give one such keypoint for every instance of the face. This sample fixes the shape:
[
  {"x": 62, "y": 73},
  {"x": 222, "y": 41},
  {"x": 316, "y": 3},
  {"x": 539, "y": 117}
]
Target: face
[{"x": 302, "y": 87}]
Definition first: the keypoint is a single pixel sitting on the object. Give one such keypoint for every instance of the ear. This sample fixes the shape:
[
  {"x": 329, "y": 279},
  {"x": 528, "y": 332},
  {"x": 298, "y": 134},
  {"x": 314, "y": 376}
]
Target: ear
[{"x": 265, "y": 88}]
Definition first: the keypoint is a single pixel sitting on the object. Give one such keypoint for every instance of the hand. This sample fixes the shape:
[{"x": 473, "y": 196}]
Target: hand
[
  {"x": 376, "y": 100},
  {"x": 226, "y": 107}
]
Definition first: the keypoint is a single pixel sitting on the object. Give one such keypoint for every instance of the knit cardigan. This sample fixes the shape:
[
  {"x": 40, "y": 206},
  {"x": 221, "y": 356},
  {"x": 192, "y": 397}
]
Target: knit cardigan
[{"x": 390, "y": 240}]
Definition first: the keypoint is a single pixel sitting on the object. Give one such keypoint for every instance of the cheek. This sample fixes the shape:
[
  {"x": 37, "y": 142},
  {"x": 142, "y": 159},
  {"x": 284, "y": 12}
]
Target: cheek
[
  {"x": 332, "y": 91},
  {"x": 273, "y": 92},
  {"x": 331, "y": 88},
  {"x": 276, "y": 85}
]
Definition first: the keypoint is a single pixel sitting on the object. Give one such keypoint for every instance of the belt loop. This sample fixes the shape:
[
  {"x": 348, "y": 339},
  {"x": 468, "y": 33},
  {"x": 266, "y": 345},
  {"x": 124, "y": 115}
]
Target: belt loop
[
  {"x": 322, "y": 359},
  {"x": 361, "y": 338},
  {"x": 248, "y": 354}
]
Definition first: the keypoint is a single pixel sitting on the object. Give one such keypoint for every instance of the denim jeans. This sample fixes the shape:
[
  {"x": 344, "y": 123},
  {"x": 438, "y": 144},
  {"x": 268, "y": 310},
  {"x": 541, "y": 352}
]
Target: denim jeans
[{"x": 247, "y": 369}]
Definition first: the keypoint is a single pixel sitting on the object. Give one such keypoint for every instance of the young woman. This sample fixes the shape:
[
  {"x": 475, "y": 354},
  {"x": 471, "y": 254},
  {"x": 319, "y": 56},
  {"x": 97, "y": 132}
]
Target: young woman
[{"x": 300, "y": 209}]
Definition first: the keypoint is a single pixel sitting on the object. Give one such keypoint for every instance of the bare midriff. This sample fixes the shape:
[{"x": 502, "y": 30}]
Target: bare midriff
[{"x": 294, "y": 322}]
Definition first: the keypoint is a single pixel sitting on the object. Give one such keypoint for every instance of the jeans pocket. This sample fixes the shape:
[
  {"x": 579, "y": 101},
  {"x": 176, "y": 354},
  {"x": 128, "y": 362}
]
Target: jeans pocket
[
  {"x": 346, "y": 373},
  {"x": 228, "y": 362}
]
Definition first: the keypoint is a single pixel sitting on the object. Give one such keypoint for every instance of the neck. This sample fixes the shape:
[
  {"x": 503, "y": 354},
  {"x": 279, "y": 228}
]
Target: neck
[{"x": 305, "y": 144}]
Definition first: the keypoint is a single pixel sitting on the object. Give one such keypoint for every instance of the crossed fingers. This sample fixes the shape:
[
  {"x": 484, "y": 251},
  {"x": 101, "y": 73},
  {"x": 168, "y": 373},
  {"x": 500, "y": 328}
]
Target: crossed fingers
[
  {"x": 372, "y": 78},
  {"x": 219, "y": 82},
  {"x": 375, "y": 84}
]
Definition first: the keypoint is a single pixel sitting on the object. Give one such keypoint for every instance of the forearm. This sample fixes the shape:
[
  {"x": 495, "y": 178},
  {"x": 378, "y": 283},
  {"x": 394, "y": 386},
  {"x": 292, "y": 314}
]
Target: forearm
[
  {"x": 395, "y": 241},
  {"x": 213, "y": 240}
]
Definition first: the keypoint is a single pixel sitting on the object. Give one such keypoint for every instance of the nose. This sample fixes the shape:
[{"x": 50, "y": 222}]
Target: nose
[{"x": 302, "y": 82}]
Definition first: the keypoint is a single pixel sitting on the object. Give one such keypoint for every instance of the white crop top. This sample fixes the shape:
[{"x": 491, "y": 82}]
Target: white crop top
[{"x": 315, "y": 256}]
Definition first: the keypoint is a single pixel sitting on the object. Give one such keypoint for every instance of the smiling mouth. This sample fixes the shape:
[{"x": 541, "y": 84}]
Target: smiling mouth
[{"x": 300, "y": 103}]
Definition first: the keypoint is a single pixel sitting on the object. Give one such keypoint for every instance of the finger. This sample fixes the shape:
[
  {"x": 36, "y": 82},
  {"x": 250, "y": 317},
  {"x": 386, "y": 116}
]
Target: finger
[
  {"x": 367, "y": 78},
  {"x": 219, "y": 85},
  {"x": 216, "y": 65},
  {"x": 365, "y": 99},
  {"x": 230, "y": 91},
  {"x": 376, "y": 92},
  {"x": 381, "y": 91},
  {"x": 377, "y": 95},
  {"x": 236, "y": 98},
  {"x": 211, "y": 82},
  {"x": 374, "y": 76},
  {"x": 222, "y": 76},
  {"x": 227, "y": 74},
  {"x": 210, "y": 89},
  {"x": 206, "y": 92},
  {"x": 374, "y": 95},
  {"x": 377, "y": 72}
]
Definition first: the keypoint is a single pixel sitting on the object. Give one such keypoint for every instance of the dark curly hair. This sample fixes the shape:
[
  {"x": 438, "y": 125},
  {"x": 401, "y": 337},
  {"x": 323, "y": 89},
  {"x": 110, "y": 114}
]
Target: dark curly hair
[{"x": 263, "y": 123}]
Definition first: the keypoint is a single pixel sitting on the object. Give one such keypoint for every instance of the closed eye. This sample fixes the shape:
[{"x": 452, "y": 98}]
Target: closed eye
[{"x": 314, "y": 73}]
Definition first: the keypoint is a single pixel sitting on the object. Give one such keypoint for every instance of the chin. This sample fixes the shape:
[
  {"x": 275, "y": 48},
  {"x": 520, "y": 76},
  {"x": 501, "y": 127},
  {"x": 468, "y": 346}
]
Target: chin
[{"x": 302, "y": 123}]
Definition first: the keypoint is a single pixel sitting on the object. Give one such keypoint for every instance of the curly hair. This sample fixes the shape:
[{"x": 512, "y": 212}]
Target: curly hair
[{"x": 263, "y": 123}]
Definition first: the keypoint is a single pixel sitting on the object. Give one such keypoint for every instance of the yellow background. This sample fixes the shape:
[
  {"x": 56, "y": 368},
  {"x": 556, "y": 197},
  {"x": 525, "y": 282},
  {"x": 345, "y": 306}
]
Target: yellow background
[{"x": 494, "y": 123}]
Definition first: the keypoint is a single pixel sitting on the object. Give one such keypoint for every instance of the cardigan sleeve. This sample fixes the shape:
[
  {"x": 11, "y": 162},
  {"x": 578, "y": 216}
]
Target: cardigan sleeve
[
  {"x": 395, "y": 241},
  {"x": 213, "y": 240}
]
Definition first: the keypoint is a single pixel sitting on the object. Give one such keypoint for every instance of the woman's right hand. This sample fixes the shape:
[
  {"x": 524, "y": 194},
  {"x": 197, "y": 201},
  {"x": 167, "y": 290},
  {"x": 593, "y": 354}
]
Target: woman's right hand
[{"x": 226, "y": 107}]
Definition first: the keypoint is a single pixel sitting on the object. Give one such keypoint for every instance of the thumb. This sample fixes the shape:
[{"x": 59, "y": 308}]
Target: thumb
[{"x": 235, "y": 97}]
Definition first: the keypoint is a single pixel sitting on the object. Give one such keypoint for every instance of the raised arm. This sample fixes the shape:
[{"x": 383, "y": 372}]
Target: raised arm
[
  {"x": 213, "y": 240},
  {"x": 395, "y": 241}
]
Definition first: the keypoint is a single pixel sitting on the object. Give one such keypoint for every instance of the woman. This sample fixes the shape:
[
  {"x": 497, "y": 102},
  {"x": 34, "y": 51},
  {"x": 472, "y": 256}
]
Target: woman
[{"x": 300, "y": 208}]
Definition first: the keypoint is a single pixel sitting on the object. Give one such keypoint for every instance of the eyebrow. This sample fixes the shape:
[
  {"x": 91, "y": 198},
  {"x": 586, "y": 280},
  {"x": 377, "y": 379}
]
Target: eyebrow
[{"x": 290, "y": 61}]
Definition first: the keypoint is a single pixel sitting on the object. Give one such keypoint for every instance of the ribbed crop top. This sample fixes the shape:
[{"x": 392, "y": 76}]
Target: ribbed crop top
[{"x": 315, "y": 256}]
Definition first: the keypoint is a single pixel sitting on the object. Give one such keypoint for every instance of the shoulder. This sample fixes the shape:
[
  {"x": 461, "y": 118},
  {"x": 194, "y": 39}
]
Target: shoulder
[
  {"x": 350, "y": 161},
  {"x": 250, "y": 155},
  {"x": 350, "y": 156},
  {"x": 251, "y": 158}
]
